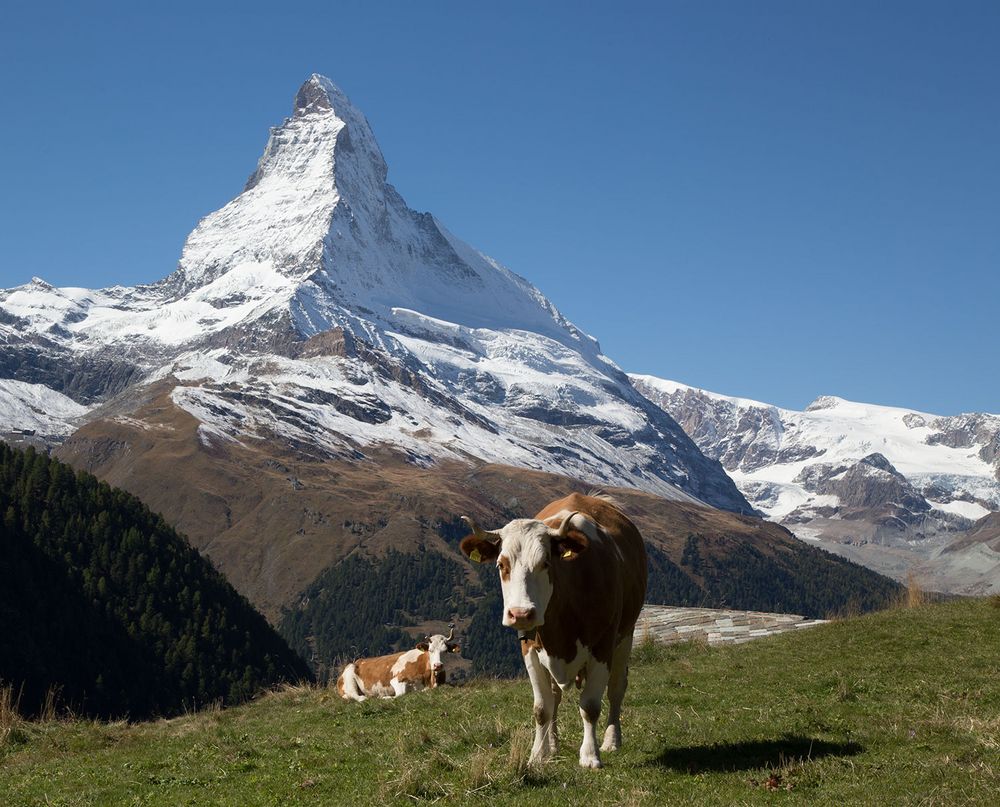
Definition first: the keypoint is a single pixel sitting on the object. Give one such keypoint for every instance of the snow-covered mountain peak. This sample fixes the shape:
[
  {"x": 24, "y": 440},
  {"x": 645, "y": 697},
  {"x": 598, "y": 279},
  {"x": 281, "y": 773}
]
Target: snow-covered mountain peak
[
  {"x": 825, "y": 402},
  {"x": 319, "y": 310},
  {"x": 315, "y": 95},
  {"x": 878, "y": 461},
  {"x": 883, "y": 485},
  {"x": 318, "y": 211},
  {"x": 320, "y": 96},
  {"x": 766, "y": 449},
  {"x": 316, "y": 240}
]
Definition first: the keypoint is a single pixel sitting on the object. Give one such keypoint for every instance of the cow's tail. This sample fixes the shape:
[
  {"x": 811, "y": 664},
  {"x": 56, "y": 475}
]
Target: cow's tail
[{"x": 347, "y": 684}]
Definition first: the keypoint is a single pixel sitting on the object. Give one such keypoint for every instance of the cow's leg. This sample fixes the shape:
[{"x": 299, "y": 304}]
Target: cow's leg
[
  {"x": 398, "y": 687},
  {"x": 617, "y": 684},
  {"x": 590, "y": 711},
  {"x": 349, "y": 684},
  {"x": 553, "y": 729},
  {"x": 544, "y": 708}
]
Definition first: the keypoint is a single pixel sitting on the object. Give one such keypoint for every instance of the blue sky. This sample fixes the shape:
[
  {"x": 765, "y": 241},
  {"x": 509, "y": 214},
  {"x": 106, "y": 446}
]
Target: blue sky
[{"x": 774, "y": 199}]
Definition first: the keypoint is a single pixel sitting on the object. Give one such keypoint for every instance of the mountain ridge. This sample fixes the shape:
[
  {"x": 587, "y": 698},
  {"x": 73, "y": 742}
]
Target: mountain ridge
[
  {"x": 443, "y": 353},
  {"x": 891, "y": 487}
]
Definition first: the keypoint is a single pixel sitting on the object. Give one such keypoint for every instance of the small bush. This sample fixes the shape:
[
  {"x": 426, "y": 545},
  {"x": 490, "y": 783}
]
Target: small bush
[{"x": 648, "y": 651}]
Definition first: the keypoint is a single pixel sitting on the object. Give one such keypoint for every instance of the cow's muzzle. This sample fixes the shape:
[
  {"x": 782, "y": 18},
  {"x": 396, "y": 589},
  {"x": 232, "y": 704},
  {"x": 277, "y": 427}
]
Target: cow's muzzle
[{"x": 520, "y": 618}]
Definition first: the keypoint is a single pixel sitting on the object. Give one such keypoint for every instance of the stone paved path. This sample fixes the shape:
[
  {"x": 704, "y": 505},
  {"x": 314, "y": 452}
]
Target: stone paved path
[{"x": 667, "y": 624}]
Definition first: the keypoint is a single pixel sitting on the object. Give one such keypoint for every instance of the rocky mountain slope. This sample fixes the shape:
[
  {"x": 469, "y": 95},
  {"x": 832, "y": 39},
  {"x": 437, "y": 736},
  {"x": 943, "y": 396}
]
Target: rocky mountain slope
[
  {"x": 893, "y": 488},
  {"x": 317, "y": 309},
  {"x": 275, "y": 519},
  {"x": 36, "y": 408}
]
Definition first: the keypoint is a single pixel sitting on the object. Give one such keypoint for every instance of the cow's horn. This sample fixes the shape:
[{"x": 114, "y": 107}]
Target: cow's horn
[
  {"x": 563, "y": 528},
  {"x": 451, "y": 634},
  {"x": 492, "y": 537}
]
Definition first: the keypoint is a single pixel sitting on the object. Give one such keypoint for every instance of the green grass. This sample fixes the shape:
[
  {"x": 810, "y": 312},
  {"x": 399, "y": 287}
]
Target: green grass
[{"x": 901, "y": 707}]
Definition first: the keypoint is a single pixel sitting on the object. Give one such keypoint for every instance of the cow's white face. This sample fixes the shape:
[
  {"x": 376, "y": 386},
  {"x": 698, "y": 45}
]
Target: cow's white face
[
  {"x": 439, "y": 650},
  {"x": 525, "y": 550},
  {"x": 525, "y": 577}
]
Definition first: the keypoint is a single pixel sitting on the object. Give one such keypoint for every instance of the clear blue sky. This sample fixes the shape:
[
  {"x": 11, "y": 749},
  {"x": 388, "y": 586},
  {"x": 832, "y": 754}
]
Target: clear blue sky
[{"x": 770, "y": 199}]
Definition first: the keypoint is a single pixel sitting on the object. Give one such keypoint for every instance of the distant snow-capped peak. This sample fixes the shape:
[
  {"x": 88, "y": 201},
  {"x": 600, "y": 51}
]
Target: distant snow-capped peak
[{"x": 955, "y": 460}]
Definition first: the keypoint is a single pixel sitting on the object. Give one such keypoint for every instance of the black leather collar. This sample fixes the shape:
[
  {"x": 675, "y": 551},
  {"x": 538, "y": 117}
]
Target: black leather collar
[{"x": 527, "y": 635}]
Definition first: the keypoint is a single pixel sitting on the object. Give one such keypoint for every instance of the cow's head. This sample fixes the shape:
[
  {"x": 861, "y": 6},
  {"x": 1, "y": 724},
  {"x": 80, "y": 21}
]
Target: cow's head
[
  {"x": 439, "y": 647},
  {"x": 525, "y": 551}
]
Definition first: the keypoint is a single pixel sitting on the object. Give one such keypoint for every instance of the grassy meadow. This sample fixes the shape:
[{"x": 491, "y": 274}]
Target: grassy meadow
[{"x": 899, "y": 707}]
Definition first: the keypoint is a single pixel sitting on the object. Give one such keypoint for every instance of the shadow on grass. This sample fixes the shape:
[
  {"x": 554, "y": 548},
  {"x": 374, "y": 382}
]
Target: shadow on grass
[{"x": 751, "y": 754}]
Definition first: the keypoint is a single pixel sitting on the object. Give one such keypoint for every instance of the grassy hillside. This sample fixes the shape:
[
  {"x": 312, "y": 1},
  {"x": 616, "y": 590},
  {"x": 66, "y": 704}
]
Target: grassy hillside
[{"x": 899, "y": 707}]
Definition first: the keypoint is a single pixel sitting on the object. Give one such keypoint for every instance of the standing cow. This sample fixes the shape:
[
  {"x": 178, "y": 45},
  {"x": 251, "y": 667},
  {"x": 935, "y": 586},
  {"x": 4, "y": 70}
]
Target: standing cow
[
  {"x": 398, "y": 673},
  {"x": 573, "y": 581}
]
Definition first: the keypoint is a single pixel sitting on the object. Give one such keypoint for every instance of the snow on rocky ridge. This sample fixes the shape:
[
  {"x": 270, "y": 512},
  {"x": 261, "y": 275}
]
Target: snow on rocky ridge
[
  {"x": 316, "y": 308},
  {"x": 953, "y": 461},
  {"x": 36, "y": 408},
  {"x": 888, "y": 487}
]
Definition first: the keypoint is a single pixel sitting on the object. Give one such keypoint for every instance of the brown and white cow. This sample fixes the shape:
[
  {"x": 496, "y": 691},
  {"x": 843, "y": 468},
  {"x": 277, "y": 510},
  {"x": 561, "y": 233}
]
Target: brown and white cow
[
  {"x": 398, "y": 673},
  {"x": 573, "y": 580}
]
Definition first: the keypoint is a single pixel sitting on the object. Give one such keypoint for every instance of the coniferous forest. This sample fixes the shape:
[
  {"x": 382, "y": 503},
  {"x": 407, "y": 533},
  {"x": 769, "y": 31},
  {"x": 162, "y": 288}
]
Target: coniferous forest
[
  {"x": 101, "y": 601},
  {"x": 359, "y": 605}
]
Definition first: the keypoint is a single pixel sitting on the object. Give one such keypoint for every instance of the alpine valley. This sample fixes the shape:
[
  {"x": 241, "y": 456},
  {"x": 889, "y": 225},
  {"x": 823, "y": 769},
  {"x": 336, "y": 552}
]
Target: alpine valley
[{"x": 329, "y": 379}]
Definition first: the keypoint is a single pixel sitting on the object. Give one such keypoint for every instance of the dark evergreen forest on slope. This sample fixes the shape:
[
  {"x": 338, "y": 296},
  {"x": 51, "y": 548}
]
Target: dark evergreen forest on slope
[
  {"x": 358, "y": 606},
  {"x": 103, "y": 601}
]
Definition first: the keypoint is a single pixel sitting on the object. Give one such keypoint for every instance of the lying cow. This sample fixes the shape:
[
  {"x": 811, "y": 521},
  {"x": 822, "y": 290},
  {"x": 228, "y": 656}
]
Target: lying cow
[
  {"x": 398, "y": 673},
  {"x": 573, "y": 580}
]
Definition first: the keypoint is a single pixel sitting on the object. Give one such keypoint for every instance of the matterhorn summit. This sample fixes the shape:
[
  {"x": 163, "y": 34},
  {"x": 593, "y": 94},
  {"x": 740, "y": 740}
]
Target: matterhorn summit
[
  {"x": 320, "y": 164},
  {"x": 318, "y": 213},
  {"x": 317, "y": 310}
]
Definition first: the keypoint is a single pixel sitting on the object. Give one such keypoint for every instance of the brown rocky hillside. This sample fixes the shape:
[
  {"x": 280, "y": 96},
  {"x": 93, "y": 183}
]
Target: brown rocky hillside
[{"x": 272, "y": 516}]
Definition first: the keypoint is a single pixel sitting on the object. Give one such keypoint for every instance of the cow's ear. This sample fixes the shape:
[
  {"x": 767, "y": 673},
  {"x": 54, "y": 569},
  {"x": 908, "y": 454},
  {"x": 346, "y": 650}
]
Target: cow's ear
[
  {"x": 570, "y": 545},
  {"x": 479, "y": 549},
  {"x": 454, "y": 648},
  {"x": 423, "y": 646}
]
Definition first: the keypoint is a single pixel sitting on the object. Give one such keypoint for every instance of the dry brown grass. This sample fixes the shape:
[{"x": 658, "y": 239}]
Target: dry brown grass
[
  {"x": 14, "y": 725},
  {"x": 520, "y": 751},
  {"x": 986, "y": 730},
  {"x": 11, "y": 722},
  {"x": 479, "y": 770},
  {"x": 915, "y": 595}
]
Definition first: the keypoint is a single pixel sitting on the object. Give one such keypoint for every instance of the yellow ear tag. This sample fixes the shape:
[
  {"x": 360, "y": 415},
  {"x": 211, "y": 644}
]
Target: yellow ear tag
[
  {"x": 567, "y": 554},
  {"x": 475, "y": 556}
]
